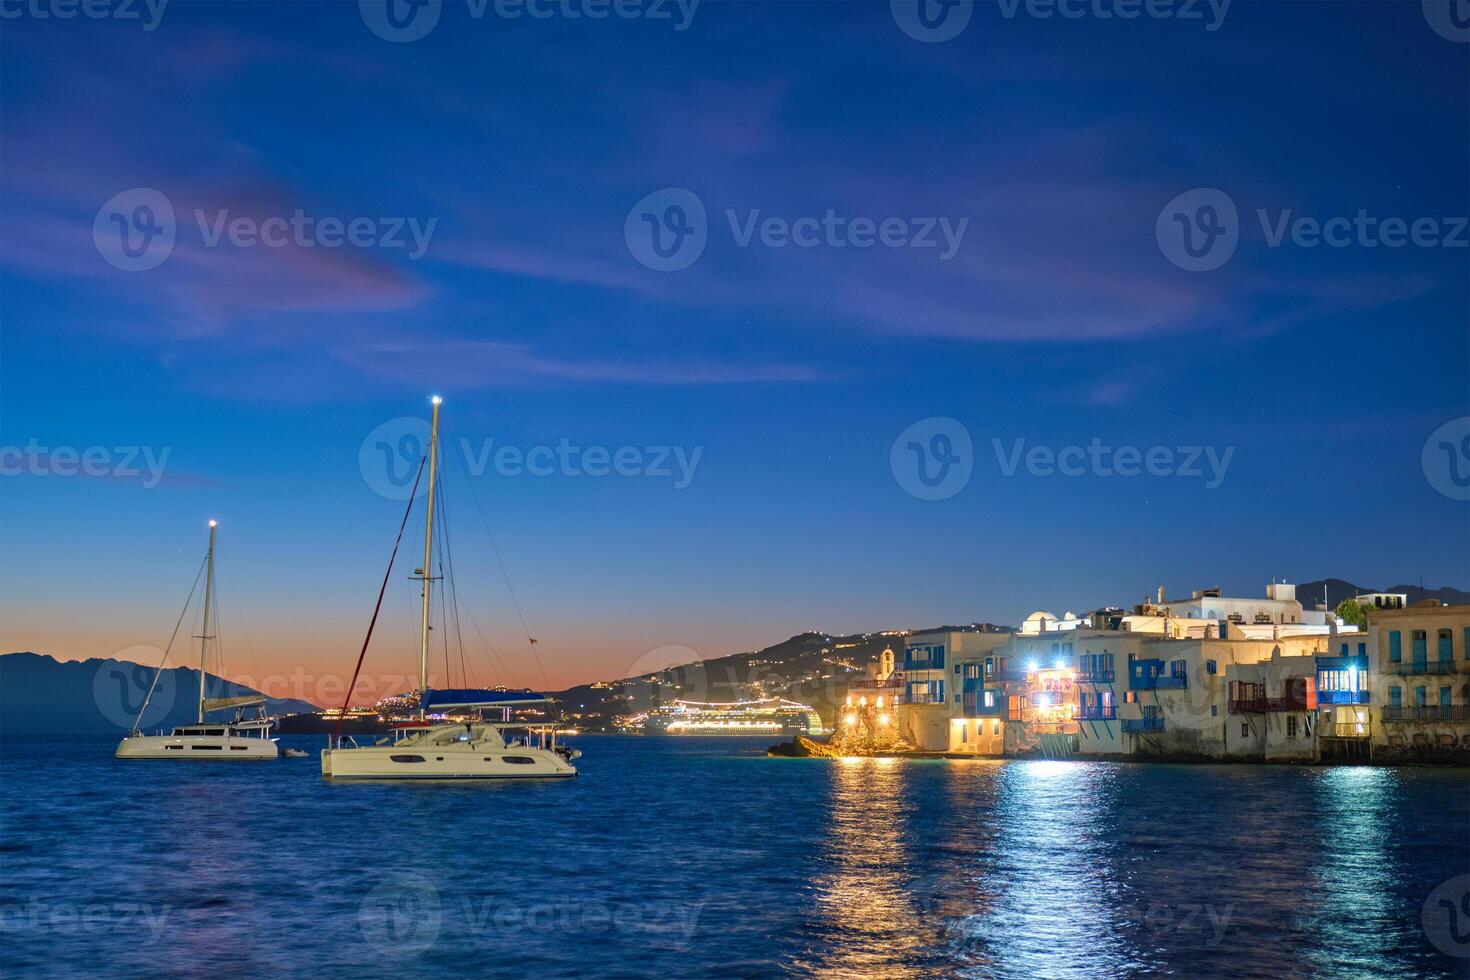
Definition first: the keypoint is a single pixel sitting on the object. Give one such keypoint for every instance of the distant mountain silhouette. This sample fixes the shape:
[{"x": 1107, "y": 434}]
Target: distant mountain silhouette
[
  {"x": 40, "y": 695},
  {"x": 1310, "y": 593}
]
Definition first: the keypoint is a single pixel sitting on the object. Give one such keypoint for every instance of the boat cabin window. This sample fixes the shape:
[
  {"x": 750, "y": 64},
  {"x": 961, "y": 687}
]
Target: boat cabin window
[
  {"x": 519, "y": 760},
  {"x": 407, "y": 758},
  {"x": 199, "y": 731}
]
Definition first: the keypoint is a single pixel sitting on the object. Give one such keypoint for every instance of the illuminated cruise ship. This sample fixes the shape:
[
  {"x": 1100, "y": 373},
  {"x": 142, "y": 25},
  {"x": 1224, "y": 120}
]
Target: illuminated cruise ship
[{"x": 773, "y": 716}]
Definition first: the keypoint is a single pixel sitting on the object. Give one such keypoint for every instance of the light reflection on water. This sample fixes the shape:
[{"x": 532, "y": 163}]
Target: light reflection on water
[
  {"x": 978, "y": 868},
  {"x": 863, "y": 905}
]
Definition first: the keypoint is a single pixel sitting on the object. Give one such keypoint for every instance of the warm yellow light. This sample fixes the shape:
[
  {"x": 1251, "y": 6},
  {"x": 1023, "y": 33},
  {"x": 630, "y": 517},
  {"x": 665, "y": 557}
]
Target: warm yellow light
[
  {"x": 863, "y": 700},
  {"x": 880, "y": 700},
  {"x": 882, "y": 719},
  {"x": 849, "y": 720}
]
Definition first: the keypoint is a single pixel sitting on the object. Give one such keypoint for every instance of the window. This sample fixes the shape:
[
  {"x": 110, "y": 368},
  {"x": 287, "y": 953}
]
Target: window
[
  {"x": 1396, "y": 697},
  {"x": 989, "y": 699},
  {"x": 1395, "y": 646},
  {"x": 1210, "y": 667},
  {"x": 1130, "y": 697},
  {"x": 1214, "y": 710},
  {"x": 238, "y": 748},
  {"x": 1445, "y": 699},
  {"x": 1291, "y": 726},
  {"x": 1362, "y": 649},
  {"x": 520, "y": 760},
  {"x": 956, "y": 668},
  {"x": 1245, "y": 729},
  {"x": 1421, "y": 697},
  {"x": 406, "y": 758},
  {"x": 995, "y": 727},
  {"x": 1344, "y": 649},
  {"x": 1446, "y": 646},
  {"x": 207, "y": 748},
  {"x": 174, "y": 747},
  {"x": 1421, "y": 646}
]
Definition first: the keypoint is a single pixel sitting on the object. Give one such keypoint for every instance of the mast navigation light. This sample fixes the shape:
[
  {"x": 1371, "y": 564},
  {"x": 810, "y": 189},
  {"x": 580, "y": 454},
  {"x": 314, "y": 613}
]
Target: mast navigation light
[
  {"x": 436, "y": 400},
  {"x": 213, "y": 523}
]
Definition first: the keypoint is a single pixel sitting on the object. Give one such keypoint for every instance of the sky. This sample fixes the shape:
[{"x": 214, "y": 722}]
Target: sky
[{"x": 872, "y": 316}]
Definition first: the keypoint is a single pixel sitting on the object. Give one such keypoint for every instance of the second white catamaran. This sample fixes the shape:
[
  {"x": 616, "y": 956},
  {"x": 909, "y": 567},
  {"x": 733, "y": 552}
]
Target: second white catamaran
[
  {"x": 426, "y": 748},
  {"x": 243, "y": 738}
]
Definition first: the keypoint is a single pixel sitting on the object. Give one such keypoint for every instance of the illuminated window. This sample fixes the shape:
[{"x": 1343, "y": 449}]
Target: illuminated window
[{"x": 1291, "y": 726}]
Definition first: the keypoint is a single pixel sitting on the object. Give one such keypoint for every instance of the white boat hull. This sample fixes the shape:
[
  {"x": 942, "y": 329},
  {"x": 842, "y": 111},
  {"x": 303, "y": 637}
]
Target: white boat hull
[
  {"x": 216, "y": 748},
  {"x": 444, "y": 762}
]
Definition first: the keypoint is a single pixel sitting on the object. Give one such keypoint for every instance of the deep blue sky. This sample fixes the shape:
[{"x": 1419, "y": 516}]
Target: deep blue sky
[{"x": 1060, "y": 319}]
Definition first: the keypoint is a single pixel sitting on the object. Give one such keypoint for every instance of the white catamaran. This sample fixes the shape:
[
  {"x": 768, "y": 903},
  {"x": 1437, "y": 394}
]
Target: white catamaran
[
  {"x": 426, "y": 748},
  {"x": 240, "y": 738}
]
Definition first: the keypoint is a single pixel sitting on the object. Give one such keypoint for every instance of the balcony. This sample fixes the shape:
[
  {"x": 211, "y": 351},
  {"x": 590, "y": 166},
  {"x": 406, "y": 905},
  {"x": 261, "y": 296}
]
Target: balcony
[
  {"x": 1329, "y": 698},
  {"x": 1140, "y": 726},
  {"x": 1248, "y": 706},
  {"x": 1104, "y": 676},
  {"x": 1427, "y": 712},
  {"x": 922, "y": 699},
  {"x": 1420, "y": 667},
  {"x": 1097, "y": 714}
]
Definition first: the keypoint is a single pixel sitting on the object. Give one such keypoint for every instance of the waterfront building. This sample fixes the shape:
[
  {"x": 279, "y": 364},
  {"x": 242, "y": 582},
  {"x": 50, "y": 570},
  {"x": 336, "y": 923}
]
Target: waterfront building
[
  {"x": 1421, "y": 679},
  {"x": 935, "y": 683},
  {"x": 1383, "y": 600}
]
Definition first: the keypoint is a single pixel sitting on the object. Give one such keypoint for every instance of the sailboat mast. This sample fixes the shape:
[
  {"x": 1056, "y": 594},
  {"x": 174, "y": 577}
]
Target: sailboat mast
[
  {"x": 428, "y": 569},
  {"x": 208, "y": 601}
]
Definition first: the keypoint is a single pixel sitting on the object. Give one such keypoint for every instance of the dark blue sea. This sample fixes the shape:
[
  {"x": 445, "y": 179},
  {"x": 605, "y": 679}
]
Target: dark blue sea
[{"x": 703, "y": 858}]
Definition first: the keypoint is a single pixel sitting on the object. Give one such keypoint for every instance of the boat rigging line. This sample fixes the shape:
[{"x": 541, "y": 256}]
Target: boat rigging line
[
  {"x": 378, "y": 606},
  {"x": 175, "y": 635}
]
